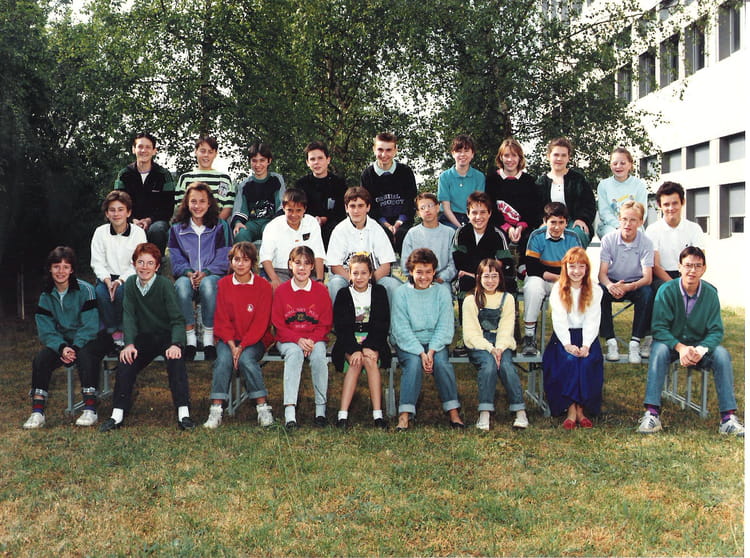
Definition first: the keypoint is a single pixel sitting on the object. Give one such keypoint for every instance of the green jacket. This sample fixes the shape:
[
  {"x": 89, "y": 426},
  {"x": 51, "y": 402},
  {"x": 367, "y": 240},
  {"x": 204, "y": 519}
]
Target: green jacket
[{"x": 70, "y": 322}]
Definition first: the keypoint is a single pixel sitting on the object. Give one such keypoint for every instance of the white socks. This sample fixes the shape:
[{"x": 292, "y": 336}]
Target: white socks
[
  {"x": 208, "y": 336},
  {"x": 192, "y": 339}
]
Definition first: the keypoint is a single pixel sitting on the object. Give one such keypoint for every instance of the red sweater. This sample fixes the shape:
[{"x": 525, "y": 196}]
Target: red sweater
[
  {"x": 243, "y": 312},
  {"x": 298, "y": 314}
]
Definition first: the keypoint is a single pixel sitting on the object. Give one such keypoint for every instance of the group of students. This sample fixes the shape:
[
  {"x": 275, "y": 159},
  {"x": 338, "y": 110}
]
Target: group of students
[{"x": 321, "y": 223}]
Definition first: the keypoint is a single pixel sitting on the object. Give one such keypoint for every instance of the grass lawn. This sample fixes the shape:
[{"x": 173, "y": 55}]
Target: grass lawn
[{"x": 241, "y": 490}]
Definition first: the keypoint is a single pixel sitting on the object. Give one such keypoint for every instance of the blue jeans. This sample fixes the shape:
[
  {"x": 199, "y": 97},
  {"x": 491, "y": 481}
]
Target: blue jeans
[
  {"x": 110, "y": 311},
  {"x": 641, "y": 299},
  {"x": 205, "y": 295},
  {"x": 294, "y": 358},
  {"x": 248, "y": 365},
  {"x": 337, "y": 282},
  {"x": 487, "y": 373},
  {"x": 411, "y": 380},
  {"x": 719, "y": 361}
]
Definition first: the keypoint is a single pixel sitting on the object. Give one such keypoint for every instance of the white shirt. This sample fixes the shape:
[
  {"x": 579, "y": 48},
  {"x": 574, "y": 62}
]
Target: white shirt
[
  {"x": 346, "y": 240},
  {"x": 279, "y": 239},
  {"x": 670, "y": 241},
  {"x": 112, "y": 254},
  {"x": 588, "y": 320}
]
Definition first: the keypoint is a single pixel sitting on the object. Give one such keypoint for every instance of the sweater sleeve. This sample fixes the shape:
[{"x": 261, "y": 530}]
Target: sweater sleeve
[
  {"x": 129, "y": 321},
  {"x": 179, "y": 260},
  {"x": 343, "y": 320},
  {"x": 380, "y": 319},
  {"x": 606, "y": 214},
  {"x": 260, "y": 324},
  {"x": 505, "y": 328},
  {"x": 444, "y": 328},
  {"x": 222, "y": 244},
  {"x": 473, "y": 335},
  {"x": 46, "y": 324},
  {"x": 325, "y": 322},
  {"x": 223, "y": 328},
  {"x": 176, "y": 319},
  {"x": 559, "y": 316},
  {"x": 401, "y": 330},
  {"x": 89, "y": 316},
  {"x": 714, "y": 324},
  {"x": 98, "y": 255},
  {"x": 592, "y": 317}
]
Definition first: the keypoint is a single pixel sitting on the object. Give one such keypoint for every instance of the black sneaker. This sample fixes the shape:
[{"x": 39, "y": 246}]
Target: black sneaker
[
  {"x": 291, "y": 425},
  {"x": 460, "y": 352},
  {"x": 342, "y": 423},
  {"x": 209, "y": 352},
  {"x": 529, "y": 346},
  {"x": 186, "y": 423},
  {"x": 109, "y": 425},
  {"x": 190, "y": 351},
  {"x": 320, "y": 421},
  {"x": 380, "y": 423}
]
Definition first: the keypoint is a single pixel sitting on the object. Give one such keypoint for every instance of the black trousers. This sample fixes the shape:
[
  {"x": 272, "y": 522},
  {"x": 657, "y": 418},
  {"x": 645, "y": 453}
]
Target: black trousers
[
  {"x": 149, "y": 347},
  {"x": 88, "y": 362}
]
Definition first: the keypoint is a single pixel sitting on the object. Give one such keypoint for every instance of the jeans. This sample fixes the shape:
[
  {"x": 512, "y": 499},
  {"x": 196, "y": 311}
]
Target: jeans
[
  {"x": 487, "y": 373},
  {"x": 719, "y": 361},
  {"x": 411, "y": 380},
  {"x": 337, "y": 282},
  {"x": 641, "y": 299},
  {"x": 110, "y": 311},
  {"x": 158, "y": 233},
  {"x": 205, "y": 295},
  {"x": 294, "y": 358},
  {"x": 248, "y": 365}
]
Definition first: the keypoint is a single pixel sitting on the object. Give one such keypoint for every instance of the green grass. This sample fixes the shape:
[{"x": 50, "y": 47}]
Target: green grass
[{"x": 150, "y": 489}]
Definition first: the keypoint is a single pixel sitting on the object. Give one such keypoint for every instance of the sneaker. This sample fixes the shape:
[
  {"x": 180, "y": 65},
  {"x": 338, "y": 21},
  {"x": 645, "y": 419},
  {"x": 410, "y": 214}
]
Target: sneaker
[
  {"x": 185, "y": 423},
  {"x": 649, "y": 423},
  {"x": 109, "y": 425},
  {"x": 732, "y": 426},
  {"x": 189, "y": 352},
  {"x": 36, "y": 420},
  {"x": 483, "y": 423},
  {"x": 214, "y": 417},
  {"x": 521, "y": 421},
  {"x": 460, "y": 352},
  {"x": 646, "y": 346},
  {"x": 291, "y": 425},
  {"x": 209, "y": 352},
  {"x": 342, "y": 423},
  {"x": 613, "y": 353},
  {"x": 87, "y": 418},
  {"x": 634, "y": 352},
  {"x": 528, "y": 346},
  {"x": 320, "y": 421},
  {"x": 265, "y": 418},
  {"x": 380, "y": 423}
]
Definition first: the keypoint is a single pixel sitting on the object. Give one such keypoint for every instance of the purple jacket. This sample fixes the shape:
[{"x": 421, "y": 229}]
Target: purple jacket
[{"x": 209, "y": 252}]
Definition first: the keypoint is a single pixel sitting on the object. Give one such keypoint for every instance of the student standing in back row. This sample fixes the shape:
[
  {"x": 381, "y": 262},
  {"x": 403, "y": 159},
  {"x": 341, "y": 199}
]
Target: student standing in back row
[
  {"x": 455, "y": 184},
  {"x": 392, "y": 187}
]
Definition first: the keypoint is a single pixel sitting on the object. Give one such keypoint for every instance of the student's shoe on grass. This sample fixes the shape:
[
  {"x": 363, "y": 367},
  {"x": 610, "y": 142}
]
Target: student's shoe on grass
[
  {"x": 36, "y": 420},
  {"x": 649, "y": 423},
  {"x": 265, "y": 418},
  {"x": 320, "y": 421},
  {"x": 291, "y": 425},
  {"x": 380, "y": 423},
  {"x": 109, "y": 424},
  {"x": 186, "y": 423},
  {"x": 634, "y": 352},
  {"x": 521, "y": 421},
  {"x": 342, "y": 423},
  {"x": 529, "y": 346},
  {"x": 214, "y": 417},
  {"x": 87, "y": 418},
  {"x": 484, "y": 421},
  {"x": 732, "y": 426},
  {"x": 646, "y": 346},
  {"x": 613, "y": 353}
]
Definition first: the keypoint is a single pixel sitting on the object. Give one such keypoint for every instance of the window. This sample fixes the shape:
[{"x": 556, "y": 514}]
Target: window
[
  {"x": 731, "y": 209},
  {"x": 665, "y": 7},
  {"x": 697, "y": 156},
  {"x": 732, "y": 148},
  {"x": 671, "y": 161},
  {"x": 695, "y": 47},
  {"x": 647, "y": 167},
  {"x": 625, "y": 84},
  {"x": 646, "y": 23},
  {"x": 646, "y": 73},
  {"x": 698, "y": 207},
  {"x": 729, "y": 30},
  {"x": 669, "y": 60}
]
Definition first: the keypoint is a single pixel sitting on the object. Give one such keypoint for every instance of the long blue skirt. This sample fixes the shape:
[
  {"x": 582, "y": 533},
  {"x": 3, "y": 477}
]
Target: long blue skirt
[{"x": 569, "y": 379}]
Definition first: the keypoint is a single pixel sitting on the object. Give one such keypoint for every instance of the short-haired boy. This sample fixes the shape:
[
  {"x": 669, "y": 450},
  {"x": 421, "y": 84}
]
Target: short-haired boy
[
  {"x": 206, "y": 150},
  {"x": 359, "y": 233},
  {"x": 455, "y": 184},
  {"x": 544, "y": 253},
  {"x": 285, "y": 232},
  {"x": 324, "y": 190},
  {"x": 625, "y": 270},
  {"x": 432, "y": 234},
  {"x": 392, "y": 187},
  {"x": 258, "y": 197}
]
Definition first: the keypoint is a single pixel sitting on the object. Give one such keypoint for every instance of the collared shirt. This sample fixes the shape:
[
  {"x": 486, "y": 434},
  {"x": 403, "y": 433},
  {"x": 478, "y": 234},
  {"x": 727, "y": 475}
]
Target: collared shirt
[
  {"x": 235, "y": 282},
  {"x": 147, "y": 287},
  {"x": 626, "y": 260},
  {"x": 548, "y": 236},
  {"x": 381, "y": 172},
  {"x": 307, "y": 287},
  {"x": 126, "y": 232},
  {"x": 688, "y": 299}
]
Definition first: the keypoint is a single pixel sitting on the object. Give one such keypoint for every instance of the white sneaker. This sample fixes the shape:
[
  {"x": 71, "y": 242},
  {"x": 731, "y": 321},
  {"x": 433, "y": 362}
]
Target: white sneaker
[
  {"x": 649, "y": 423},
  {"x": 613, "y": 353},
  {"x": 87, "y": 418},
  {"x": 484, "y": 420},
  {"x": 732, "y": 426},
  {"x": 214, "y": 417},
  {"x": 646, "y": 346},
  {"x": 521, "y": 420},
  {"x": 265, "y": 418},
  {"x": 634, "y": 352},
  {"x": 36, "y": 420}
]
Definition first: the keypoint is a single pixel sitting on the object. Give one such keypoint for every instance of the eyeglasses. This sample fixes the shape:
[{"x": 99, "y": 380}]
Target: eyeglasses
[
  {"x": 144, "y": 263},
  {"x": 695, "y": 266},
  {"x": 426, "y": 207}
]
